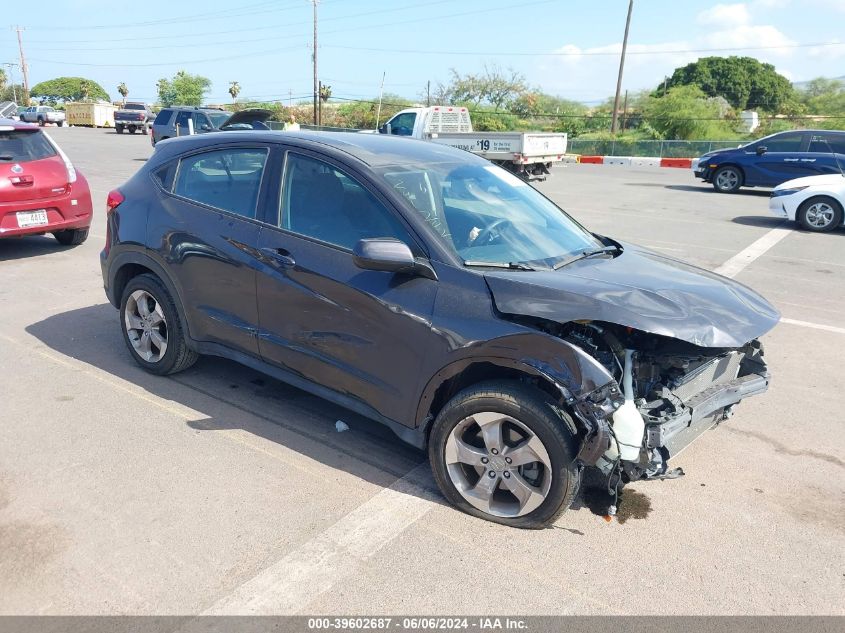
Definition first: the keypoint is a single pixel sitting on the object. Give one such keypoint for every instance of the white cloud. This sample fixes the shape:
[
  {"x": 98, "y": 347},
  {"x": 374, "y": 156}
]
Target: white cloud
[
  {"x": 771, "y": 4},
  {"x": 725, "y": 15},
  {"x": 766, "y": 38}
]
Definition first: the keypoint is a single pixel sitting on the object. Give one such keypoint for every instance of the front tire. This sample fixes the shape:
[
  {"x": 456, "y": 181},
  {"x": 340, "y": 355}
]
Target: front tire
[
  {"x": 152, "y": 329},
  {"x": 132, "y": 129},
  {"x": 40, "y": 122},
  {"x": 60, "y": 123},
  {"x": 820, "y": 214},
  {"x": 71, "y": 237},
  {"x": 727, "y": 179},
  {"x": 118, "y": 129},
  {"x": 501, "y": 451}
]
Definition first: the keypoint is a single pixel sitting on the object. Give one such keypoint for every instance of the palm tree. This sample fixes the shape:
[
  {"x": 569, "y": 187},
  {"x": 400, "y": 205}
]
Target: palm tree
[
  {"x": 123, "y": 90},
  {"x": 234, "y": 90},
  {"x": 325, "y": 93}
]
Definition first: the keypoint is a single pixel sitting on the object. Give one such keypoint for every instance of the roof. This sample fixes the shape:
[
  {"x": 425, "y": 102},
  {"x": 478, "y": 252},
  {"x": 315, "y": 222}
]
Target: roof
[
  {"x": 17, "y": 124},
  {"x": 372, "y": 149}
]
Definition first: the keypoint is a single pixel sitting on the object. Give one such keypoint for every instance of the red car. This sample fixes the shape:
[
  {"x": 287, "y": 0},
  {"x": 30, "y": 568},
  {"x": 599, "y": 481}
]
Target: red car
[{"x": 40, "y": 191}]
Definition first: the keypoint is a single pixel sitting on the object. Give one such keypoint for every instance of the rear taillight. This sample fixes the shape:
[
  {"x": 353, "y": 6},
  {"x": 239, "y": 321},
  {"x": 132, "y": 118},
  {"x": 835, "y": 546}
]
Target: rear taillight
[{"x": 113, "y": 201}]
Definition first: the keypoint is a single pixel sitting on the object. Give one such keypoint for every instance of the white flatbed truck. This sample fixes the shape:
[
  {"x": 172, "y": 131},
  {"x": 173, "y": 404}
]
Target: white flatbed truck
[{"x": 529, "y": 155}]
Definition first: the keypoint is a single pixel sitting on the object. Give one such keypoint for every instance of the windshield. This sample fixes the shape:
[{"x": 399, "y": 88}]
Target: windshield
[
  {"x": 485, "y": 214},
  {"x": 218, "y": 118}
]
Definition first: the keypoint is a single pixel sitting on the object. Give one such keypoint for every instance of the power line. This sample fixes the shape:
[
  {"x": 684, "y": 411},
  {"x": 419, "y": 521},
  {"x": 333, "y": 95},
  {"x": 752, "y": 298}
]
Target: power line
[{"x": 579, "y": 54}]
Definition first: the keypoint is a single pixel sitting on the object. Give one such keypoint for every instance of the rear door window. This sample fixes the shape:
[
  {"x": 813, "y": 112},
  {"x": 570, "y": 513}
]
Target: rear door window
[
  {"x": 227, "y": 179},
  {"x": 163, "y": 117},
  {"x": 19, "y": 146},
  {"x": 827, "y": 143},
  {"x": 182, "y": 120}
]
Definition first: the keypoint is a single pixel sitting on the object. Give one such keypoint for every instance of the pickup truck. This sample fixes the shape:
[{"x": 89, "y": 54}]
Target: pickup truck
[
  {"x": 42, "y": 115},
  {"x": 132, "y": 117},
  {"x": 529, "y": 155}
]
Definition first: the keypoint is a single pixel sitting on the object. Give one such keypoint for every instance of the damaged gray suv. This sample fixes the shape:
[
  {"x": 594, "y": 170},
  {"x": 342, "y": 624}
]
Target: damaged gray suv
[{"x": 436, "y": 293}]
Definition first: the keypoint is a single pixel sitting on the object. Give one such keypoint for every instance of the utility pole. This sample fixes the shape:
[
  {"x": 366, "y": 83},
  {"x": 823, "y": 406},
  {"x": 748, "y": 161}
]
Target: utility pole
[
  {"x": 624, "y": 111},
  {"x": 320, "y": 103},
  {"x": 428, "y": 93},
  {"x": 314, "y": 58},
  {"x": 380, "y": 95},
  {"x": 621, "y": 68},
  {"x": 23, "y": 67}
]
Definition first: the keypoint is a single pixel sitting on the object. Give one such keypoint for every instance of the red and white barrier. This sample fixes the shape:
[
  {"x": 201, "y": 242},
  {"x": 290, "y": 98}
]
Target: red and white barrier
[{"x": 639, "y": 161}]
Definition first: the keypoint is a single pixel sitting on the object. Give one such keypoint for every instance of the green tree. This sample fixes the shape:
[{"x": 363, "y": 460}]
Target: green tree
[
  {"x": 183, "y": 89},
  {"x": 743, "y": 81},
  {"x": 234, "y": 90},
  {"x": 824, "y": 97},
  {"x": 123, "y": 90},
  {"x": 493, "y": 86},
  {"x": 13, "y": 92},
  {"x": 68, "y": 89},
  {"x": 686, "y": 113}
]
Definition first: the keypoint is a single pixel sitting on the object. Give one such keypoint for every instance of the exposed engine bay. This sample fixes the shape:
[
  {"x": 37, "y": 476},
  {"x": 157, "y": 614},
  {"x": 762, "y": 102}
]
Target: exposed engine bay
[{"x": 666, "y": 393}]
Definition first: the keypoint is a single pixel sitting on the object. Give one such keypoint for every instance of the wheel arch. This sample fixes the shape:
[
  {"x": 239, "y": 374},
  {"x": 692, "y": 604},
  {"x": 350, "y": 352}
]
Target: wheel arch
[
  {"x": 555, "y": 367},
  {"x": 736, "y": 166},
  {"x": 129, "y": 265}
]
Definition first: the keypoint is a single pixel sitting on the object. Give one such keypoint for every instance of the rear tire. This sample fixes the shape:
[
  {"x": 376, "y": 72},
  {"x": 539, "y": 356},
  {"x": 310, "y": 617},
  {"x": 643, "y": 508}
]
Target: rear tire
[
  {"x": 40, "y": 121},
  {"x": 485, "y": 482},
  {"x": 60, "y": 123},
  {"x": 152, "y": 329},
  {"x": 71, "y": 237},
  {"x": 819, "y": 214},
  {"x": 727, "y": 179}
]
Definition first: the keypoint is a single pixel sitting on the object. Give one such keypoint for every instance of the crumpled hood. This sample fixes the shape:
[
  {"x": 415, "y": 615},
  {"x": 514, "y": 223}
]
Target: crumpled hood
[{"x": 643, "y": 290}]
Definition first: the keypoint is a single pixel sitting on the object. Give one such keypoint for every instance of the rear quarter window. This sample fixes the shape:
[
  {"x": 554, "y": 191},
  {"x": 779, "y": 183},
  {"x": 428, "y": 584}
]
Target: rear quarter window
[
  {"x": 20, "y": 146},
  {"x": 163, "y": 117}
]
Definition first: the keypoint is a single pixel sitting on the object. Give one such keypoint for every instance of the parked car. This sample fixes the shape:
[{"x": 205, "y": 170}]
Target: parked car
[
  {"x": 40, "y": 189},
  {"x": 439, "y": 294},
  {"x": 42, "y": 115},
  {"x": 133, "y": 117},
  {"x": 815, "y": 202},
  {"x": 174, "y": 121},
  {"x": 773, "y": 159}
]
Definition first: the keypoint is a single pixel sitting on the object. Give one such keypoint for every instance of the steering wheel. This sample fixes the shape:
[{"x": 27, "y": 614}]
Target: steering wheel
[{"x": 489, "y": 234}]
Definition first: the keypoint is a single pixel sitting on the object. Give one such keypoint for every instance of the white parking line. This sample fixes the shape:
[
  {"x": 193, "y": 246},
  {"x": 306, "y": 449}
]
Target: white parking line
[
  {"x": 334, "y": 555},
  {"x": 815, "y": 326},
  {"x": 738, "y": 262}
]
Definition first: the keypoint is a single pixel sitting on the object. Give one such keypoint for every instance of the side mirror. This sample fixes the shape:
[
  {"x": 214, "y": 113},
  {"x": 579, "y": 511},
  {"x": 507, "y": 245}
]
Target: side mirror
[
  {"x": 205, "y": 127},
  {"x": 762, "y": 149},
  {"x": 389, "y": 255},
  {"x": 385, "y": 129}
]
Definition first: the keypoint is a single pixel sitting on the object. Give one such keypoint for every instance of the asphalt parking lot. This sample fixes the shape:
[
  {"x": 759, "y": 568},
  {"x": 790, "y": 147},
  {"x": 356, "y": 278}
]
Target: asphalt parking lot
[{"x": 221, "y": 490}]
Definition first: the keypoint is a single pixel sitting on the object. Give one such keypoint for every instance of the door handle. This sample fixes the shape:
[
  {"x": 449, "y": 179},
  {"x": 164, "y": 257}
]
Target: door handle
[{"x": 280, "y": 255}]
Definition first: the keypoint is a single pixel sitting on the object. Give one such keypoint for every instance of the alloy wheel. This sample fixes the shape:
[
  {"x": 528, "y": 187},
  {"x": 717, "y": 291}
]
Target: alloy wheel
[
  {"x": 498, "y": 464},
  {"x": 146, "y": 326},
  {"x": 819, "y": 215},
  {"x": 727, "y": 180}
]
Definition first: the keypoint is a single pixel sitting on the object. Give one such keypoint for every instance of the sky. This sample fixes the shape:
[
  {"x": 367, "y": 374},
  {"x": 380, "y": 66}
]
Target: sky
[{"x": 568, "y": 48}]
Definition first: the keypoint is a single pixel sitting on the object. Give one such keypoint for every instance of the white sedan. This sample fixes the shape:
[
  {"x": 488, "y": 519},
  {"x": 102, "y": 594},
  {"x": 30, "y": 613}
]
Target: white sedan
[{"x": 815, "y": 202}]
